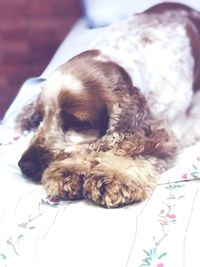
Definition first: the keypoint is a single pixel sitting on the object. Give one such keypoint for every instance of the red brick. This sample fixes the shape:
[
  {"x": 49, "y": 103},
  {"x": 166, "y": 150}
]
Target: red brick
[
  {"x": 3, "y": 81},
  {"x": 12, "y": 24},
  {"x": 14, "y": 2},
  {"x": 15, "y": 47},
  {"x": 43, "y": 24},
  {"x": 30, "y": 33},
  {"x": 38, "y": 7},
  {"x": 7, "y": 9},
  {"x": 67, "y": 8}
]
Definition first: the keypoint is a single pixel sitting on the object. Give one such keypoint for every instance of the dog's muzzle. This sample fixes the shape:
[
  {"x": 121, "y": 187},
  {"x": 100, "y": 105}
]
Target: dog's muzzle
[{"x": 33, "y": 162}]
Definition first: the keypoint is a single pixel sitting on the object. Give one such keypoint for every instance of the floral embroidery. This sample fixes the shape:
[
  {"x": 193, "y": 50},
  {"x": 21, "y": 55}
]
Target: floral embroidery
[
  {"x": 47, "y": 202},
  {"x": 14, "y": 241},
  {"x": 193, "y": 172},
  {"x": 151, "y": 257},
  {"x": 2, "y": 256},
  {"x": 166, "y": 218},
  {"x": 156, "y": 253}
]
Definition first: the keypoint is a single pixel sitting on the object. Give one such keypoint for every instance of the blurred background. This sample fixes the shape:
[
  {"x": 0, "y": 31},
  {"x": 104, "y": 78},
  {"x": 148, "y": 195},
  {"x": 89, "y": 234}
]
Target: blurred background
[{"x": 30, "y": 33}]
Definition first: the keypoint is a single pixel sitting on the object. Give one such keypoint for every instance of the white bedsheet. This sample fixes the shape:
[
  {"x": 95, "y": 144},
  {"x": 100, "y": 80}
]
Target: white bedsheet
[{"x": 163, "y": 231}]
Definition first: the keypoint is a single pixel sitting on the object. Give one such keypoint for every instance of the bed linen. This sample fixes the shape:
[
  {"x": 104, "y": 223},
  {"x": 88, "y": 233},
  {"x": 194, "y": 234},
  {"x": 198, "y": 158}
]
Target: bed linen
[{"x": 162, "y": 231}]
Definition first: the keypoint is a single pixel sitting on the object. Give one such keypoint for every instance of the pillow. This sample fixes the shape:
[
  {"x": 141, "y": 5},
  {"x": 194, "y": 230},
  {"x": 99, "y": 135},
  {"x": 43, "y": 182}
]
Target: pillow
[
  {"x": 104, "y": 12},
  {"x": 101, "y": 13}
]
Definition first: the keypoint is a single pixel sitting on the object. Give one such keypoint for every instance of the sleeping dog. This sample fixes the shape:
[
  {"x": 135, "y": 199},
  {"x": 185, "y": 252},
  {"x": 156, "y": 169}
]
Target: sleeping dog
[{"x": 110, "y": 120}]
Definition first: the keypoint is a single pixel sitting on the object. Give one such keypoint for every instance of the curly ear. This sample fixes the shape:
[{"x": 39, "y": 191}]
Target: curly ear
[
  {"x": 134, "y": 130},
  {"x": 143, "y": 133},
  {"x": 160, "y": 143},
  {"x": 30, "y": 116}
]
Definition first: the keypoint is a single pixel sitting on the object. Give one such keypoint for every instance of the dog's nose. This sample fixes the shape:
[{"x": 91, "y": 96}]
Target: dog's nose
[
  {"x": 33, "y": 162},
  {"x": 30, "y": 169}
]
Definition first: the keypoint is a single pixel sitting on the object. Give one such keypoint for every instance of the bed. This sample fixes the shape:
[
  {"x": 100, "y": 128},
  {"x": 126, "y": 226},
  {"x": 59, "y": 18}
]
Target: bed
[{"x": 159, "y": 232}]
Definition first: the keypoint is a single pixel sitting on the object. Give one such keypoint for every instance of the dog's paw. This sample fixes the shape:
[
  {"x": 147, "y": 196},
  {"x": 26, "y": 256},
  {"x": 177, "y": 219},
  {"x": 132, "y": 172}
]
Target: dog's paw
[
  {"x": 110, "y": 188},
  {"x": 63, "y": 180}
]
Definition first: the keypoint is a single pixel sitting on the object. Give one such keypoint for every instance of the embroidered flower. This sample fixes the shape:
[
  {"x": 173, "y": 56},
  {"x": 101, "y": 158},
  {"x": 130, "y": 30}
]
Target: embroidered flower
[
  {"x": 184, "y": 176},
  {"x": 171, "y": 216}
]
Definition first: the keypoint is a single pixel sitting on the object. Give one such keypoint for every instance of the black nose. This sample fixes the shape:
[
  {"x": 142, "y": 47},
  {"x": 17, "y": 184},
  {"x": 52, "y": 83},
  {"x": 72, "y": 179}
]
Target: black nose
[{"x": 33, "y": 162}]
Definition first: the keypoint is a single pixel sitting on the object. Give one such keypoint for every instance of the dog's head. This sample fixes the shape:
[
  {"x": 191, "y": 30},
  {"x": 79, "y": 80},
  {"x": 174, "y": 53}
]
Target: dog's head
[{"x": 72, "y": 111}]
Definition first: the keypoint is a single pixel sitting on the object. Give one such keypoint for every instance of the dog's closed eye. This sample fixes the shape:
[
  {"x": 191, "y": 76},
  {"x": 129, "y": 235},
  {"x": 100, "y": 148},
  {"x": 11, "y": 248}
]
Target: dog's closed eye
[
  {"x": 77, "y": 131},
  {"x": 69, "y": 121}
]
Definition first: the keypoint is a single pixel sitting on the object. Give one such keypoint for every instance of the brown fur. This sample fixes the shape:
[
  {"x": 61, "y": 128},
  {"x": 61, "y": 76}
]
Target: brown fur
[
  {"x": 130, "y": 145},
  {"x": 94, "y": 170}
]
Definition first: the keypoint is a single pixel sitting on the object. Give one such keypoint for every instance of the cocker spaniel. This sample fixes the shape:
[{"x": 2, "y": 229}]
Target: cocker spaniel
[{"x": 110, "y": 120}]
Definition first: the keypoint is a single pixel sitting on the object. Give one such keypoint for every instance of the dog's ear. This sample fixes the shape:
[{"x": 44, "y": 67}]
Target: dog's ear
[
  {"x": 131, "y": 113},
  {"x": 134, "y": 130},
  {"x": 30, "y": 116},
  {"x": 147, "y": 134}
]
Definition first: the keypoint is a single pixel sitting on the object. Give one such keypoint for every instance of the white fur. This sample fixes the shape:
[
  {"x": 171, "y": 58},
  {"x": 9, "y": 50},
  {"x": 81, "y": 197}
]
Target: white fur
[
  {"x": 156, "y": 52},
  {"x": 75, "y": 139},
  {"x": 59, "y": 81}
]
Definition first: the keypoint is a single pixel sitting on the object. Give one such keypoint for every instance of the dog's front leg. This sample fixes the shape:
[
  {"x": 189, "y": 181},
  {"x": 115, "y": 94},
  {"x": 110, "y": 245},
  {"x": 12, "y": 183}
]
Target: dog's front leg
[
  {"x": 63, "y": 179},
  {"x": 120, "y": 180}
]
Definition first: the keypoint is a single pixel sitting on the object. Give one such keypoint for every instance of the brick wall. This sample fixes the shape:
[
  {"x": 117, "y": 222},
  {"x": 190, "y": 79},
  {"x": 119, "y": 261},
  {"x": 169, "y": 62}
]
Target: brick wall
[{"x": 30, "y": 33}]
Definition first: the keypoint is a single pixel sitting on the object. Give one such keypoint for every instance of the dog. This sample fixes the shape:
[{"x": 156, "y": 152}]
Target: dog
[{"x": 110, "y": 120}]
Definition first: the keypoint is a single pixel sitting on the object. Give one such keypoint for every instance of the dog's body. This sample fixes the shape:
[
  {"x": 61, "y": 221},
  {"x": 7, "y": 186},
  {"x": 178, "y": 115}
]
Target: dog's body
[{"x": 106, "y": 113}]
